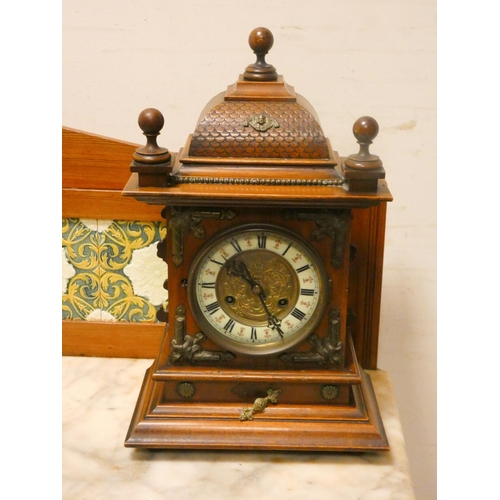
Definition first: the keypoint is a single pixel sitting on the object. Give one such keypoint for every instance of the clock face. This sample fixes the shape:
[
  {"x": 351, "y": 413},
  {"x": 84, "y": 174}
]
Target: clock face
[{"x": 257, "y": 289}]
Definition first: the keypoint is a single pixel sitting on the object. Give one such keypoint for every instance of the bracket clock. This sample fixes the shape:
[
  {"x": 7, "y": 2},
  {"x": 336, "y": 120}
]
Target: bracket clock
[{"x": 261, "y": 345}]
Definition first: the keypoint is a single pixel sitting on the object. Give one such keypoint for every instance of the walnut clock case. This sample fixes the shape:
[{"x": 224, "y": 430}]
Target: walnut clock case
[{"x": 265, "y": 301}]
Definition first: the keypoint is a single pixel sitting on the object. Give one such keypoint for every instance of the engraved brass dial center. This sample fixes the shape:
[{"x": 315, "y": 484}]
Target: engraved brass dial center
[{"x": 270, "y": 282}]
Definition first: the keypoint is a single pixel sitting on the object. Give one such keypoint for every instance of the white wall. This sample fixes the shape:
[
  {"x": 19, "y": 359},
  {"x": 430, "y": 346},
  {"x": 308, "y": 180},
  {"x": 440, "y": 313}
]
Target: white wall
[{"x": 348, "y": 59}]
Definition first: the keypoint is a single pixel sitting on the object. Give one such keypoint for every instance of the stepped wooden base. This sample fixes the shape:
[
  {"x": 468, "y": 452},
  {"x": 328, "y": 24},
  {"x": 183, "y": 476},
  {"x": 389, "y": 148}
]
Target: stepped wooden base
[{"x": 351, "y": 422}]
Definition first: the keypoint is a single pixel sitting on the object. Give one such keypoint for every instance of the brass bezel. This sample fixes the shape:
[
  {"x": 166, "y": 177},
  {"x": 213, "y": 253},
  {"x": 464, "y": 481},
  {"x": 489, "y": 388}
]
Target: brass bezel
[{"x": 271, "y": 347}]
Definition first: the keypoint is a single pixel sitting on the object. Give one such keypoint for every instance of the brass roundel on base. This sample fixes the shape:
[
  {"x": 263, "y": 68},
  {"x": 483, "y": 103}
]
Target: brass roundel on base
[{"x": 185, "y": 389}]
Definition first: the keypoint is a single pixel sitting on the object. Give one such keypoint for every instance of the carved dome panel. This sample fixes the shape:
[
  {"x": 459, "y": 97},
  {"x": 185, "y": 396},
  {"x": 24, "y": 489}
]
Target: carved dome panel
[{"x": 259, "y": 129}]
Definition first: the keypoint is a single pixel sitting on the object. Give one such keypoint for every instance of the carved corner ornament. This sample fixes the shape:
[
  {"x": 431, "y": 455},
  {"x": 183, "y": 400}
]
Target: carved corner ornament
[
  {"x": 186, "y": 220},
  {"x": 188, "y": 348},
  {"x": 333, "y": 224},
  {"x": 324, "y": 351}
]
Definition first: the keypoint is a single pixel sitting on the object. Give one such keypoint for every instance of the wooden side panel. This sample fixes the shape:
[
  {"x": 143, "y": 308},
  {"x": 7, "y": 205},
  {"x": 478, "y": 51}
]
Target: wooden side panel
[
  {"x": 365, "y": 282},
  {"x": 113, "y": 340},
  {"x": 93, "y": 162},
  {"x": 94, "y": 171}
]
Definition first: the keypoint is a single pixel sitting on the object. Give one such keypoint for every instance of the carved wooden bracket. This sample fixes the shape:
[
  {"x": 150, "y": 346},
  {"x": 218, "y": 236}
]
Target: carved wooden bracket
[
  {"x": 188, "y": 348},
  {"x": 185, "y": 220},
  {"x": 324, "y": 351},
  {"x": 331, "y": 223}
]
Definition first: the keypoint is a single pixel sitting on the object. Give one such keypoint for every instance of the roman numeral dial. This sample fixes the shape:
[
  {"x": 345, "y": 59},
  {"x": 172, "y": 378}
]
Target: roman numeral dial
[{"x": 257, "y": 290}]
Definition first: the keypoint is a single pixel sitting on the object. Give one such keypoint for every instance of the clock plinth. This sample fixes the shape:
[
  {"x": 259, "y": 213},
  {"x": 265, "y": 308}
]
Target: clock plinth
[
  {"x": 260, "y": 347},
  {"x": 306, "y": 423}
]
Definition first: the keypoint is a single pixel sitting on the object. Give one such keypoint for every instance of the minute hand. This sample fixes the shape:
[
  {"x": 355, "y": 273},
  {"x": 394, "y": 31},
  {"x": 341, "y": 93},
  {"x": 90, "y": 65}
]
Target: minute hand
[{"x": 272, "y": 320}]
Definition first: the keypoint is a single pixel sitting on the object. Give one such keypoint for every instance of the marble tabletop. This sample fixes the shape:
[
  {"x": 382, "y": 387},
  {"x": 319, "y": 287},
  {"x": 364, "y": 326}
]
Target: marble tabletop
[{"x": 99, "y": 396}]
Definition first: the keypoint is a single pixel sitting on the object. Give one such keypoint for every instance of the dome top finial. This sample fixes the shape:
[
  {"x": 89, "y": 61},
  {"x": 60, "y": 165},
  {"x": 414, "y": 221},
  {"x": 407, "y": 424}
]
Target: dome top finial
[{"x": 260, "y": 40}]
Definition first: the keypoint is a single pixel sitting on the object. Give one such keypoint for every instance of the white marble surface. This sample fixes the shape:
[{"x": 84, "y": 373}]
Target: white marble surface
[{"x": 99, "y": 396}]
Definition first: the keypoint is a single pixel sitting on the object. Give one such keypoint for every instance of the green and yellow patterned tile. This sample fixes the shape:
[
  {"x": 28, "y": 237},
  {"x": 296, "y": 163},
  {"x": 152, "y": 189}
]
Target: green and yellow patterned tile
[
  {"x": 79, "y": 269},
  {"x": 116, "y": 274}
]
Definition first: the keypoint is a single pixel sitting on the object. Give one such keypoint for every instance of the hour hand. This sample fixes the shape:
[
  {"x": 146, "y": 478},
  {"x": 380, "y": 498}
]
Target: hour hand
[{"x": 239, "y": 268}]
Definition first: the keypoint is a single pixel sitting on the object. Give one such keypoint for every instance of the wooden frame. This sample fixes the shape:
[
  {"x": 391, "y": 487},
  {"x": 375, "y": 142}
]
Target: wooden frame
[{"x": 113, "y": 340}]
